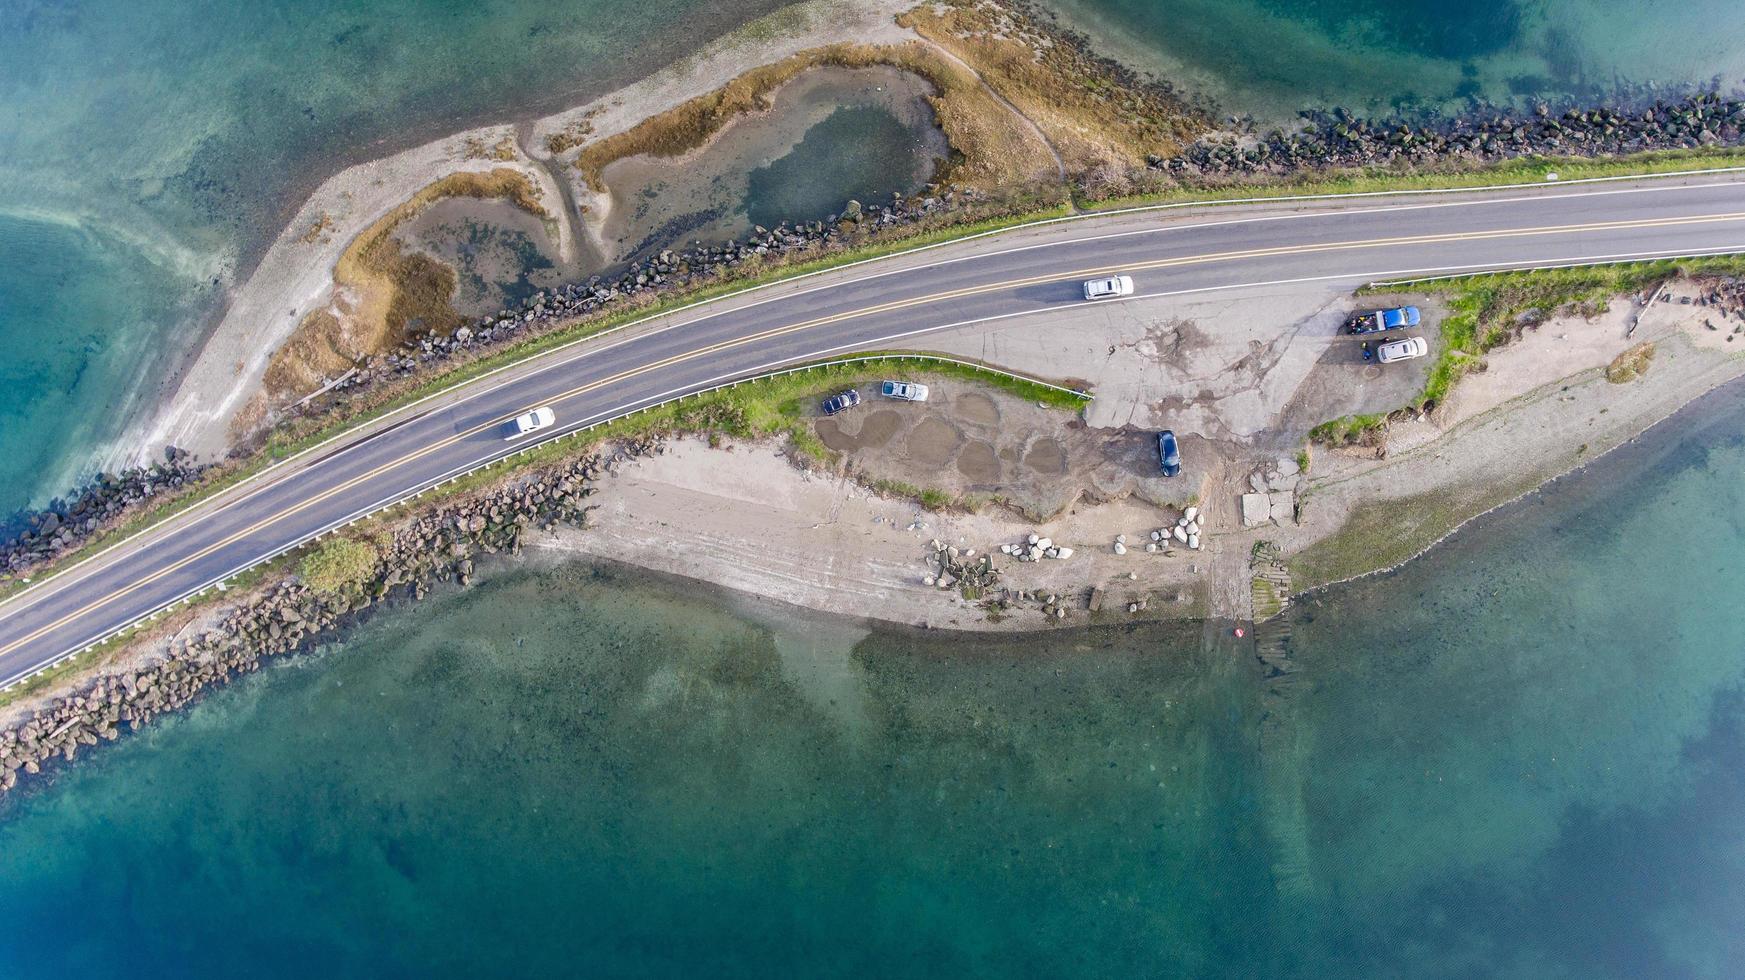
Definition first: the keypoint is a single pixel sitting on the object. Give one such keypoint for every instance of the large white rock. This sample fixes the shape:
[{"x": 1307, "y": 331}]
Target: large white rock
[
  {"x": 1063, "y": 552},
  {"x": 1120, "y": 549},
  {"x": 1181, "y": 534},
  {"x": 1191, "y": 513},
  {"x": 1255, "y": 509},
  {"x": 1151, "y": 548},
  {"x": 1193, "y": 527},
  {"x": 1045, "y": 543},
  {"x": 1157, "y": 535},
  {"x": 1282, "y": 507},
  {"x": 1032, "y": 539},
  {"x": 1194, "y": 542}
]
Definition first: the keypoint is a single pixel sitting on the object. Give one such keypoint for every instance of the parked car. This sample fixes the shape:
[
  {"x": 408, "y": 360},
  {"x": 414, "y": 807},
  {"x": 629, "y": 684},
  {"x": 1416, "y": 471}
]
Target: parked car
[
  {"x": 841, "y": 401},
  {"x": 1169, "y": 455},
  {"x": 1402, "y": 350},
  {"x": 906, "y": 391},
  {"x": 537, "y": 419},
  {"x": 1109, "y": 287},
  {"x": 1376, "y": 321}
]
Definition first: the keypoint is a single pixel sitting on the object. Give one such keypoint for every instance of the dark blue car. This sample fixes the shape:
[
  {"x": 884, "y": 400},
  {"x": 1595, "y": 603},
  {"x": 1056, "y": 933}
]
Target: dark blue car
[
  {"x": 840, "y": 401},
  {"x": 1377, "y": 321},
  {"x": 1169, "y": 455}
]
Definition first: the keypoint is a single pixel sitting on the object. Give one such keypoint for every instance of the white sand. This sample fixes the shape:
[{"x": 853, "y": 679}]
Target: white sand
[{"x": 295, "y": 276}]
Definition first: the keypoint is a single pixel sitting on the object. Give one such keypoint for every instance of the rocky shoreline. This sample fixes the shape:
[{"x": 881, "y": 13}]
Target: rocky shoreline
[
  {"x": 288, "y": 615},
  {"x": 39, "y": 537},
  {"x": 1340, "y": 140},
  {"x": 642, "y": 282}
]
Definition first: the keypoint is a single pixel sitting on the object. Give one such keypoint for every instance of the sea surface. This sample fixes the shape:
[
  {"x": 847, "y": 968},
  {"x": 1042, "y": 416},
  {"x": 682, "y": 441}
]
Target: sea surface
[
  {"x": 1521, "y": 756},
  {"x": 148, "y": 152},
  {"x": 1273, "y": 58}
]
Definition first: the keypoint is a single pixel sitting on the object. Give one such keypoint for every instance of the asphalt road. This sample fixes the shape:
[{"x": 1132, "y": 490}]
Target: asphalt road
[{"x": 879, "y": 306}]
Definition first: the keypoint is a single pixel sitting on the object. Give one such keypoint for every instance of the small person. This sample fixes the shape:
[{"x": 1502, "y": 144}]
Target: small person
[{"x": 1367, "y": 353}]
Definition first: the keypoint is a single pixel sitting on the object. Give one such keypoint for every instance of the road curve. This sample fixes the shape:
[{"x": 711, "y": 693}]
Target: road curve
[{"x": 882, "y": 305}]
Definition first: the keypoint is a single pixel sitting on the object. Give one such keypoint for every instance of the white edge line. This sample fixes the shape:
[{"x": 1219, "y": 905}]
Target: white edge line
[
  {"x": 775, "y": 368},
  {"x": 133, "y": 539}
]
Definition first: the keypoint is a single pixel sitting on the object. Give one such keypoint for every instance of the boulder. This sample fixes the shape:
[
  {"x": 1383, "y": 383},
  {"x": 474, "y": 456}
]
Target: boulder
[{"x": 1256, "y": 509}]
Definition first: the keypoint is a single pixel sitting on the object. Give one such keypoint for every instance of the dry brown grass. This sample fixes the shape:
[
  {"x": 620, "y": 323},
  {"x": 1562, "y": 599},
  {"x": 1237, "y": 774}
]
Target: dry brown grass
[
  {"x": 393, "y": 293},
  {"x": 1631, "y": 364},
  {"x": 1098, "y": 122},
  {"x": 502, "y": 151},
  {"x": 570, "y": 137},
  {"x": 991, "y": 147}
]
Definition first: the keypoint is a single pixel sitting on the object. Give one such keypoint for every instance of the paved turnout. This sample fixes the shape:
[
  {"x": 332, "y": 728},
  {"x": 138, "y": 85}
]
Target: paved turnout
[{"x": 878, "y": 306}]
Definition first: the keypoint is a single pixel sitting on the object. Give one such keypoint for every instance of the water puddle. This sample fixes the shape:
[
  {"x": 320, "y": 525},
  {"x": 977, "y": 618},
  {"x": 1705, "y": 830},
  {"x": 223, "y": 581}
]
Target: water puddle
[
  {"x": 500, "y": 254},
  {"x": 832, "y": 134}
]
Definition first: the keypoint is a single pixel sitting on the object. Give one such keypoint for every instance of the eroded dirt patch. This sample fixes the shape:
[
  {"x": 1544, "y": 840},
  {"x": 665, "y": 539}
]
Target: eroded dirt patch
[
  {"x": 978, "y": 462},
  {"x": 975, "y": 408},
  {"x": 934, "y": 441}
]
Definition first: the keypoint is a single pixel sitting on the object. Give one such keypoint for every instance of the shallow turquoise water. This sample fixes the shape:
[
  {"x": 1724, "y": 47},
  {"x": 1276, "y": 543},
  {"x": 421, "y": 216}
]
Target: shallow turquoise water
[
  {"x": 1275, "y": 57},
  {"x": 149, "y": 149},
  {"x": 1522, "y": 756}
]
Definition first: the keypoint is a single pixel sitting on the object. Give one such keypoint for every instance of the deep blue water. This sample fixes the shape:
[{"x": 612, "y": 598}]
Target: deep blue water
[{"x": 1521, "y": 756}]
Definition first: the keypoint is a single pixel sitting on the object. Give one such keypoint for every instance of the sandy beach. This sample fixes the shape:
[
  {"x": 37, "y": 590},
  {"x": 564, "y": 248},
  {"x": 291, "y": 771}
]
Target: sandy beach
[{"x": 295, "y": 276}]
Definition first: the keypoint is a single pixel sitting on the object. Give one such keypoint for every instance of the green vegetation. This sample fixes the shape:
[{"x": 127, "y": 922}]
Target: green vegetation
[
  {"x": 1631, "y": 364},
  {"x": 1342, "y": 431},
  {"x": 339, "y": 564},
  {"x": 1488, "y": 311},
  {"x": 1305, "y": 459},
  {"x": 1521, "y": 170}
]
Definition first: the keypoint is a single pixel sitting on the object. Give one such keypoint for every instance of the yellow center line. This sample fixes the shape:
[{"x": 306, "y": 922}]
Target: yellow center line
[{"x": 849, "y": 315}]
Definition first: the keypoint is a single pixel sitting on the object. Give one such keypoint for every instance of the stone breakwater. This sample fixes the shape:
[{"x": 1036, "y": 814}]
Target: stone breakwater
[
  {"x": 1337, "y": 139},
  {"x": 438, "y": 545},
  {"x": 66, "y": 523},
  {"x": 644, "y": 281}
]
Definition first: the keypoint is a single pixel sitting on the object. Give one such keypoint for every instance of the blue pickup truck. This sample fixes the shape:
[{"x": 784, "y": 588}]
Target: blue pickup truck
[{"x": 1375, "y": 321}]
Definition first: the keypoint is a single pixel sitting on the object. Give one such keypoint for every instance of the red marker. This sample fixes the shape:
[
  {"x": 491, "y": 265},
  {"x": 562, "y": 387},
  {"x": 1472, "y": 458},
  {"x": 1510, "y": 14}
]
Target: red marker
[{"x": 1239, "y": 633}]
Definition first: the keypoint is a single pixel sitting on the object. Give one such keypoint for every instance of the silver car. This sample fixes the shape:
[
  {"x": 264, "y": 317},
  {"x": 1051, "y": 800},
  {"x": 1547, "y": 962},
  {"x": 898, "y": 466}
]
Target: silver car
[
  {"x": 905, "y": 391},
  {"x": 1402, "y": 350},
  {"x": 533, "y": 421},
  {"x": 1109, "y": 288}
]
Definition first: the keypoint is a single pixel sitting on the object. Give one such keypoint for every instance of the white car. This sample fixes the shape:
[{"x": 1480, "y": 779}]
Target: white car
[
  {"x": 533, "y": 421},
  {"x": 1402, "y": 350},
  {"x": 1109, "y": 288},
  {"x": 906, "y": 391}
]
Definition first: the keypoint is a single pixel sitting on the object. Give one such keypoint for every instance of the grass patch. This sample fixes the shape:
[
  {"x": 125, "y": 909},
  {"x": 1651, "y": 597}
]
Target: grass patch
[
  {"x": 1488, "y": 311},
  {"x": 339, "y": 564},
  {"x": 1100, "y": 125},
  {"x": 1343, "y": 431},
  {"x": 1631, "y": 364},
  {"x": 1524, "y": 170},
  {"x": 990, "y": 150},
  {"x": 396, "y": 292}
]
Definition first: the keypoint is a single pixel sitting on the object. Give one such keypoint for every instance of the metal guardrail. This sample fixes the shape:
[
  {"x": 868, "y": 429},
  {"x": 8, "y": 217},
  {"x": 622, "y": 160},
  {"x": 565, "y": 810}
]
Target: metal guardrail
[{"x": 219, "y": 583}]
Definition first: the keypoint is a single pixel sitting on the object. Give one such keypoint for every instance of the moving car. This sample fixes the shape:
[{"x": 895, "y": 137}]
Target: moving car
[
  {"x": 537, "y": 419},
  {"x": 1375, "y": 321},
  {"x": 1169, "y": 455},
  {"x": 841, "y": 401},
  {"x": 1402, "y": 350},
  {"x": 1109, "y": 288},
  {"x": 905, "y": 391}
]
